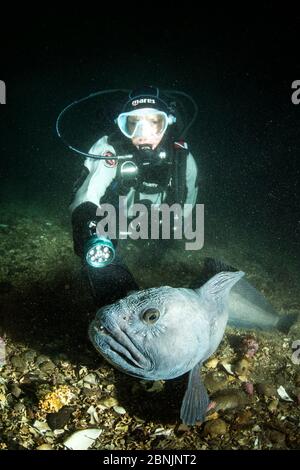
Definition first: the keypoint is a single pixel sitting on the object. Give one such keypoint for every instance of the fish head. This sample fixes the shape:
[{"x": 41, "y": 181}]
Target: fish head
[{"x": 157, "y": 333}]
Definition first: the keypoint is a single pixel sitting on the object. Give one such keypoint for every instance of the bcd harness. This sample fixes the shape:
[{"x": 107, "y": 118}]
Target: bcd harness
[{"x": 162, "y": 171}]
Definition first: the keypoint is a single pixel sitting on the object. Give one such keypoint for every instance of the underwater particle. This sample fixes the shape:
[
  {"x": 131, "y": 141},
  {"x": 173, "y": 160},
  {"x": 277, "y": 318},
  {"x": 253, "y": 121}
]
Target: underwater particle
[{"x": 54, "y": 401}]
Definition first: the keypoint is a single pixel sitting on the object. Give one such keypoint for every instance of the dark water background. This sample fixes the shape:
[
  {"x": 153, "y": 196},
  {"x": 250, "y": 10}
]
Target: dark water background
[{"x": 246, "y": 138}]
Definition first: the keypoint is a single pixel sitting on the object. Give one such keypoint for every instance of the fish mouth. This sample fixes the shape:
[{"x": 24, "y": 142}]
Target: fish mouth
[{"x": 118, "y": 348}]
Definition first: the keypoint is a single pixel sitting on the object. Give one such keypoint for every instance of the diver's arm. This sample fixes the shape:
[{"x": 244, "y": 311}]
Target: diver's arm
[
  {"x": 191, "y": 184},
  {"x": 91, "y": 186},
  {"x": 98, "y": 176}
]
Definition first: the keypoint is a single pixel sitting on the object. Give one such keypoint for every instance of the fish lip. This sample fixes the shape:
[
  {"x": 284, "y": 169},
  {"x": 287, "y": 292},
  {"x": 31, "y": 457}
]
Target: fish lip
[{"x": 135, "y": 357}]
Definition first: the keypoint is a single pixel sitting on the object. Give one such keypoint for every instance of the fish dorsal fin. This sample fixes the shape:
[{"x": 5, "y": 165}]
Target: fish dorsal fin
[{"x": 218, "y": 287}]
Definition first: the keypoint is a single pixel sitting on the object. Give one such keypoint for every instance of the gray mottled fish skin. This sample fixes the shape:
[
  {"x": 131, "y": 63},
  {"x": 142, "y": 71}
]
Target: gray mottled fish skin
[{"x": 186, "y": 327}]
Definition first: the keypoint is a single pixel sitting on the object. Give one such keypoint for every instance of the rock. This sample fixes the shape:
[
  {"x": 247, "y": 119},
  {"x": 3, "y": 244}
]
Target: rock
[
  {"x": 229, "y": 399},
  {"x": 29, "y": 356},
  {"x": 41, "y": 359},
  {"x": 20, "y": 408},
  {"x": 47, "y": 367},
  {"x": 297, "y": 379},
  {"x": 215, "y": 428},
  {"x": 212, "y": 363},
  {"x": 90, "y": 379},
  {"x": 244, "y": 417},
  {"x": 249, "y": 388},
  {"x": 273, "y": 405},
  {"x": 266, "y": 390},
  {"x": 183, "y": 428},
  {"x": 215, "y": 380},
  {"x": 15, "y": 390},
  {"x": 18, "y": 363},
  {"x": 277, "y": 438},
  {"x": 120, "y": 410},
  {"x": 59, "y": 420},
  {"x": 44, "y": 447},
  {"x": 109, "y": 402},
  {"x": 242, "y": 367}
]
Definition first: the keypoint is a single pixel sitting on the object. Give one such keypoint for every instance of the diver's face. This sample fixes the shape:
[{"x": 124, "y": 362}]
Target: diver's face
[
  {"x": 148, "y": 129},
  {"x": 153, "y": 141}
]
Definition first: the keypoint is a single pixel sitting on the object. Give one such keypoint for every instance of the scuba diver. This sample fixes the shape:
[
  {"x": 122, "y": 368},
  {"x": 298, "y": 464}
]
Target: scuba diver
[{"x": 145, "y": 160}]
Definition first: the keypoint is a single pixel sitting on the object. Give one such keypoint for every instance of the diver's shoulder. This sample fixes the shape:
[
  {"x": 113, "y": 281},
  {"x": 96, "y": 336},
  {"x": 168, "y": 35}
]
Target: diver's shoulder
[{"x": 101, "y": 146}]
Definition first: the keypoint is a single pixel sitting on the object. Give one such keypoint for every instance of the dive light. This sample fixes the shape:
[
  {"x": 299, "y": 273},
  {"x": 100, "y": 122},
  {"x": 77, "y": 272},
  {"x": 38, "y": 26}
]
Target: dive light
[{"x": 99, "y": 251}]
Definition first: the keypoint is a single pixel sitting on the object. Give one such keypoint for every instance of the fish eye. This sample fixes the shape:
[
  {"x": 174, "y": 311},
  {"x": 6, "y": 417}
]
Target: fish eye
[{"x": 150, "y": 316}]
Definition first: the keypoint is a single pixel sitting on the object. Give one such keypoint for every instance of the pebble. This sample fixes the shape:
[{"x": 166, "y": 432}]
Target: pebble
[
  {"x": 109, "y": 402},
  {"x": 59, "y": 420},
  {"x": 18, "y": 363},
  {"x": 242, "y": 367},
  {"x": 44, "y": 447},
  {"x": 47, "y": 367},
  {"x": 20, "y": 408},
  {"x": 297, "y": 379},
  {"x": 277, "y": 437},
  {"x": 215, "y": 428},
  {"x": 15, "y": 390},
  {"x": 90, "y": 379},
  {"x": 41, "y": 359},
  {"x": 183, "y": 428},
  {"x": 267, "y": 390},
  {"x": 120, "y": 410},
  {"x": 229, "y": 399},
  {"x": 244, "y": 417},
  {"x": 212, "y": 363},
  {"x": 29, "y": 356},
  {"x": 215, "y": 380},
  {"x": 273, "y": 405}
]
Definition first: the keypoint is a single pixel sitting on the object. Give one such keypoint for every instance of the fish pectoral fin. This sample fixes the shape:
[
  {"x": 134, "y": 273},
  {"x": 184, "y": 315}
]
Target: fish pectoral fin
[{"x": 196, "y": 400}]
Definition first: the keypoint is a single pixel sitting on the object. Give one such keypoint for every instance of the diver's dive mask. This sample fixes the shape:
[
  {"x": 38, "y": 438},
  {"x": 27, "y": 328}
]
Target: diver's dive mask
[{"x": 144, "y": 122}]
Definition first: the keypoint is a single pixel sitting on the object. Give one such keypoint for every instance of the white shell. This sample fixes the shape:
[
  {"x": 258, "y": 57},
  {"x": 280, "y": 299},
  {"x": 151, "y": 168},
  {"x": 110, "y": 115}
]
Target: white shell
[
  {"x": 282, "y": 393},
  {"x": 82, "y": 440}
]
